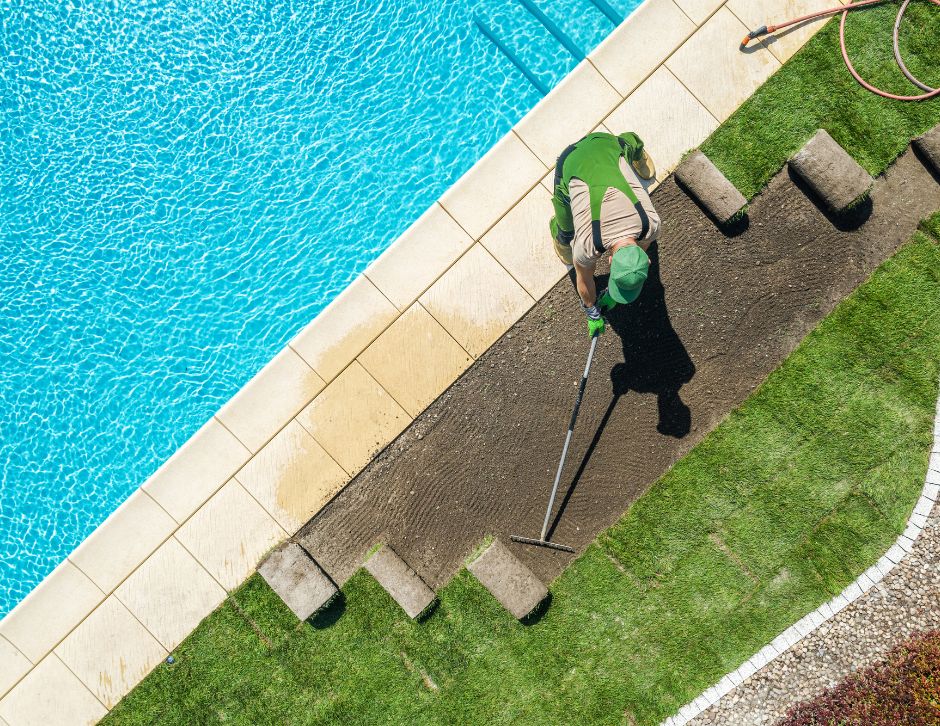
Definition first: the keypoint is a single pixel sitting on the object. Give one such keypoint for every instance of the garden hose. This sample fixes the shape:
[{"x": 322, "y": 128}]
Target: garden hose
[{"x": 929, "y": 92}]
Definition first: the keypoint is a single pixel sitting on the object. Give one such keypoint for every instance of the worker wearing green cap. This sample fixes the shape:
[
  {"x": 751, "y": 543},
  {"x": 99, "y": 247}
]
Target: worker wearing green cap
[{"x": 600, "y": 207}]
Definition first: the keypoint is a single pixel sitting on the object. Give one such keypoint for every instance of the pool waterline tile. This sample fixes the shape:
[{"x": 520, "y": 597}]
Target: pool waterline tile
[
  {"x": 270, "y": 399},
  {"x": 476, "y": 300},
  {"x": 354, "y": 418},
  {"x": 659, "y": 27},
  {"x": 59, "y": 603},
  {"x": 344, "y": 328},
  {"x": 415, "y": 360},
  {"x": 170, "y": 593},
  {"x": 230, "y": 534},
  {"x": 493, "y": 185},
  {"x": 418, "y": 257},
  {"x": 110, "y": 652},
  {"x": 710, "y": 65},
  {"x": 51, "y": 695},
  {"x": 567, "y": 113},
  {"x": 197, "y": 470},
  {"x": 125, "y": 539},
  {"x": 292, "y": 477},
  {"x": 521, "y": 242},
  {"x": 13, "y": 665}
]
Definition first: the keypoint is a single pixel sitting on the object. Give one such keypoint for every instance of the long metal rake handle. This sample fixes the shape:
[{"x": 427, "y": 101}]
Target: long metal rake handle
[{"x": 564, "y": 451}]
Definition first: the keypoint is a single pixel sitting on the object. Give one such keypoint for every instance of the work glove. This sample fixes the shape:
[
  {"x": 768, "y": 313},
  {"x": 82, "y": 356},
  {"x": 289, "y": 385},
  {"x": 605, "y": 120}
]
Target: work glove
[
  {"x": 605, "y": 302},
  {"x": 594, "y": 320}
]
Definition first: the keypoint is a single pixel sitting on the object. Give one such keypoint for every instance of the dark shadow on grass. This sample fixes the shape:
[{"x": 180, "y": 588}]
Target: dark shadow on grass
[
  {"x": 655, "y": 361},
  {"x": 538, "y": 613},
  {"x": 847, "y": 221},
  {"x": 328, "y": 616}
]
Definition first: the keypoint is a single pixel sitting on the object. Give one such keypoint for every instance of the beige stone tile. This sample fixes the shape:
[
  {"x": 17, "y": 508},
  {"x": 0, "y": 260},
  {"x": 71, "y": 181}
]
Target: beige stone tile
[
  {"x": 566, "y": 114},
  {"x": 292, "y": 477},
  {"x": 50, "y": 611},
  {"x": 415, "y": 360},
  {"x": 354, "y": 418},
  {"x": 197, "y": 470},
  {"x": 230, "y": 534},
  {"x": 110, "y": 652},
  {"x": 494, "y": 184},
  {"x": 270, "y": 399},
  {"x": 170, "y": 593},
  {"x": 699, "y": 10},
  {"x": 634, "y": 50},
  {"x": 125, "y": 539},
  {"x": 344, "y": 328},
  {"x": 642, "y": 112},
  {"x": 51, "y": 695},
  {"x": 719, "y": 75},
  {"x": 522, "y": 243},
  {"x": 13, "y": 665},
  {"x": 755, "y": 13},
  {"x": 476, "y": 300},
  {"x": 419, "y": 257}
]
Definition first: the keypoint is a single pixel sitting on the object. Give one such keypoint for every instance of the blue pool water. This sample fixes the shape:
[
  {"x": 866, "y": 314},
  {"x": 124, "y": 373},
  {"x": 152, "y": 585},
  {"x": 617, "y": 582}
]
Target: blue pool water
[{"x": 184, "y": 185}]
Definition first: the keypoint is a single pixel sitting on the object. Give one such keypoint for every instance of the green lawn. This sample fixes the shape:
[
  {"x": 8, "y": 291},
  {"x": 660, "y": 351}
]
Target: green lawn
[
  {"x": 814, "y": 90},
  {"x": 788, "y": 500}
]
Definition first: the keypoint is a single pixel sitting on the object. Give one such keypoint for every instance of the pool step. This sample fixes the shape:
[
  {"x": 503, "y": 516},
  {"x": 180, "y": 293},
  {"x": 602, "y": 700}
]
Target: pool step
[
  {"x": 400, "y": 581},
  {"x": 831, "y": 173},
  {"x": 508, "y": 580},
  {"x": 298, "y": 580}
]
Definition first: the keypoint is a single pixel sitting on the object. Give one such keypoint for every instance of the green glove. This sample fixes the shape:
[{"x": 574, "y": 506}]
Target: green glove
[
  {"x": 595, "y": 321},
  {"x": 605, "y": 302}
]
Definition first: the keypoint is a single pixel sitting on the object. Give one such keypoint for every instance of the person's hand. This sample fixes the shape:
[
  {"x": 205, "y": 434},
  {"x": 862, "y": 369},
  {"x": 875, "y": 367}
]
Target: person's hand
[
  {"x": 594, "y": 320},
  {"x": 605, "y": 302}
]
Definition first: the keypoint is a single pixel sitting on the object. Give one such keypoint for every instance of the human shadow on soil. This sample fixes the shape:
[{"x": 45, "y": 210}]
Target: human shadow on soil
[{"x": 655, "y": 360}]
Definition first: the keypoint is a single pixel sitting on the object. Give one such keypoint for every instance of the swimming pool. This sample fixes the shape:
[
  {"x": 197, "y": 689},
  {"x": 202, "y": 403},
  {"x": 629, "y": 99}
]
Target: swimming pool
[{"x": 185, "y": 185}]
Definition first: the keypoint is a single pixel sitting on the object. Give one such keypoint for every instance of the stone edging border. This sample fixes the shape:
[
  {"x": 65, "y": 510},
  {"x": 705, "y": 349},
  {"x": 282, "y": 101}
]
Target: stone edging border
[
  {"x": 810, "y": 622},
  {"x": 300, "y": 430}
]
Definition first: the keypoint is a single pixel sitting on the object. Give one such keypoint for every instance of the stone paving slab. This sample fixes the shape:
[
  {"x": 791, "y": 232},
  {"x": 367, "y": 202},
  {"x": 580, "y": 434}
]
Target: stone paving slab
[
  {"x": 51, "y": 695},
  {"x": 833, "y": 175},
  {"x": 13, "y": 665},
  {"x": 400, "y": 581},
  {"x": 298, "y": 580},
  {"x": 699, "y": 176},
  {"x": 929, "y": 146},
  {"x": 508, "y": 580}
]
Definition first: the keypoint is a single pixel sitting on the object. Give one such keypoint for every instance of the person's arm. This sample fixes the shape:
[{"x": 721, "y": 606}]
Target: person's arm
[
  {"x": 632, "y": 146},
  {"x": 587, "y": 289}
]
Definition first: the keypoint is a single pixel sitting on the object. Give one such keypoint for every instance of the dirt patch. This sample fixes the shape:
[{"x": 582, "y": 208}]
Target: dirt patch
[{"x": 717, "y": 315}]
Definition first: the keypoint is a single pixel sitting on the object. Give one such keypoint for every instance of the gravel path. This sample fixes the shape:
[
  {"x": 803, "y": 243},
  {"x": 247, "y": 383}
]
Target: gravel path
[{"x": 907, "y": 600}]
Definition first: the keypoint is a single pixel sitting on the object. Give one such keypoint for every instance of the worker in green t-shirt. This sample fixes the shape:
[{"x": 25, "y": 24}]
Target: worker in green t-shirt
[{"x": 601, "y": 206}]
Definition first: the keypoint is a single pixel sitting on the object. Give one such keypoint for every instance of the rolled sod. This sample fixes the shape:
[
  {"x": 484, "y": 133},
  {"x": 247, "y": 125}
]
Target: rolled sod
[
  {"x": 297, "y": 580},
  {"x": 702, "y": 180},
  {"x": 833, "y": 175},
  {"x": 929, "y": 147},
  {"x": 400, "y": 581},
  {"x": 508, "y": 580}
]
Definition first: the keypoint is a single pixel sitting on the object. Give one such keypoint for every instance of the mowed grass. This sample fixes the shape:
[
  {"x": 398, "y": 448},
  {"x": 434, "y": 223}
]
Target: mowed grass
[
  {"x": 815, "y": 90},
  {"x": 778, "y": 509}
]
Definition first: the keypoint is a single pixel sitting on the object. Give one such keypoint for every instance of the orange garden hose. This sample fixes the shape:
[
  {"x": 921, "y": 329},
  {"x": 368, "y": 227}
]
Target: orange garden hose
[{"x": 929, "y": 92}]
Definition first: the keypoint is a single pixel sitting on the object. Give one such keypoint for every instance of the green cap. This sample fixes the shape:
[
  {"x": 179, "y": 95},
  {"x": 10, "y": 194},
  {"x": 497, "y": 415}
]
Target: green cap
[{"x": 628, "y": 270}]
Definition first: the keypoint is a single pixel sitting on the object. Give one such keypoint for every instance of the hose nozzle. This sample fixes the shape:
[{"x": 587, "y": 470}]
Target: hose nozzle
[{"x": 762, "y": 30}]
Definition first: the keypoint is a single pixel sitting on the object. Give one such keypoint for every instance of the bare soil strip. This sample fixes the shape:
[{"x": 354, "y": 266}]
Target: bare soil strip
[{"x": 717, "y": 315}]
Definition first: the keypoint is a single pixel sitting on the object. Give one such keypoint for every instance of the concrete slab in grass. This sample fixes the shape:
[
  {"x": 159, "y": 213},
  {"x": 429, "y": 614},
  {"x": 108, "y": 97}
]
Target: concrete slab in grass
[
  {"x": 833, "y": 175},
  {"x": 701, "y": 178},
  {"x": 508, "y": 580},
  {"x": 298, "y": 580},
  {"x": 400, "y": 581},
  {"x": 51, "y": 695},
  {"x": 929, "y": 147}
]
